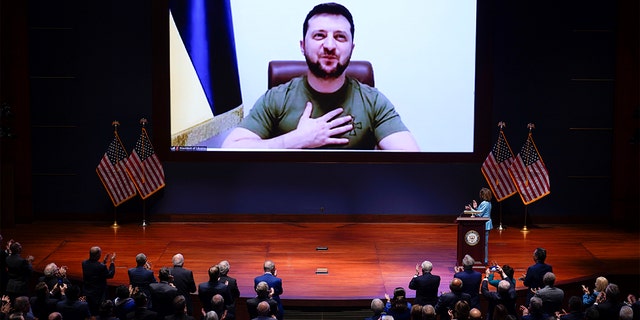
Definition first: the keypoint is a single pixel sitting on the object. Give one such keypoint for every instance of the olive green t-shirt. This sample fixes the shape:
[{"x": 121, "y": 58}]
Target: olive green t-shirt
[{"x": 278, "y": 111}]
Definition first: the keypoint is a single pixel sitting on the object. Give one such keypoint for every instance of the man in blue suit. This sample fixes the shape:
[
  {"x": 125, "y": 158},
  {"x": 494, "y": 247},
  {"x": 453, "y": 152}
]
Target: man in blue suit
[
  {"x": 142, "y": 276},
  {"x": 471, "y": 280},
  {"x": 275, "y": 284}
]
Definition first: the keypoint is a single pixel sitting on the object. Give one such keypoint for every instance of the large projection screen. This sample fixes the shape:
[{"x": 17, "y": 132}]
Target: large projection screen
[{"x": 423, "y": 55}]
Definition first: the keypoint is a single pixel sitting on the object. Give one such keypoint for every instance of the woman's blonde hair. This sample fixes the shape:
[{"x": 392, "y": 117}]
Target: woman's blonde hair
[{"x": 601, "y": 284}]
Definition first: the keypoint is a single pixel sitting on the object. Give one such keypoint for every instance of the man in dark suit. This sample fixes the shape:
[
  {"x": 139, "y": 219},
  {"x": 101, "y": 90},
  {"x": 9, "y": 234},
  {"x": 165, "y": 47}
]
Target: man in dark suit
[
  {"x": 552, "y": 296},
  {"x": 447, "y": 301},
  {"x": 270, "y": 276},
  {"x": 207, "y": 290},
  {"x": 95, "y": 275},
  {"x": 505, "y": 295},
  {"x": 426, "y": 285},
  {"x": 179, "y": 309},
  {"x": 163, "y": 293},
  {"x": 141, "y": 312},
  {"x": 609, "y": 303},
  {"x": 470, "y": 280},
  {"x": 19, "y": 270},
  {"x": 142, "y": 276},
  {"x": 262, "y": 291},
  {"x": 71, "y": 307},
  {"x": 535, "y": 273},
  {"x": 4, "y": 276},
  {"x": 232, "y": 283},
  {"x": 183, "y": 280}
]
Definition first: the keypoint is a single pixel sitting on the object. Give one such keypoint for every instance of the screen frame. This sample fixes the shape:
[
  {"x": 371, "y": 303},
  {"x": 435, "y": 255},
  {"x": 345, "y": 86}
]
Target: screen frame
[{"x": 161, "y": 111}]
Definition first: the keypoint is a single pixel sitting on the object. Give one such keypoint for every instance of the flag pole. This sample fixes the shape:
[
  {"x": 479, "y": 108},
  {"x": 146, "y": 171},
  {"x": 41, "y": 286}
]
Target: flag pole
[
  {"x": 115, "y": 125},
  {"x": 115, "y": 218},
  {"x": 144, "y": 210},
  {"x": 530, "y": 126},
  {"x": 500, "y": 227}
]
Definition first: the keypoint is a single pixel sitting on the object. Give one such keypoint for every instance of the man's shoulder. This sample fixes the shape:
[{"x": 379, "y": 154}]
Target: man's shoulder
[
  {"x": 180, "y": 271},
  {"x": 297, "y": 82}
]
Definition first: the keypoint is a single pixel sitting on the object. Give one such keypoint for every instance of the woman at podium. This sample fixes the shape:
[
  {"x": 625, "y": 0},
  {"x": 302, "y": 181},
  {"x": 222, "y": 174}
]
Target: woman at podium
[{"x": 484, "y": 211}]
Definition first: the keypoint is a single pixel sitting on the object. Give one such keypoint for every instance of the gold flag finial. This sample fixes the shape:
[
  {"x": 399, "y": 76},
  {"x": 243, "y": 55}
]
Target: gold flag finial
[
  {"x": 531, "y": 126},
  {"x": 501, "y": 125},
  {"x": 115, "y": 124},
  {"x": 143, "y": 121}
]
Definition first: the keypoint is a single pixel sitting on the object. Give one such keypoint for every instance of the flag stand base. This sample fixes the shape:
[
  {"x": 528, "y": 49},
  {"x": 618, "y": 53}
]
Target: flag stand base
[
  {"x": 144, "y": 223},
  {"x": 115, "y": 225},
  {"x": 525, "y": 228},
  {"x": 500, "y": 227}
]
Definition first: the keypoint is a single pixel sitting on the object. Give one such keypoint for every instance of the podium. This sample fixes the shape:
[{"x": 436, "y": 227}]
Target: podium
[{"x": 471, "y": 237}]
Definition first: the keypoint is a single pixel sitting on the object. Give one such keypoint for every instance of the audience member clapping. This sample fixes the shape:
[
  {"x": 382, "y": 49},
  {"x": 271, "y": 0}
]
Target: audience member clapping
[
  {"x": 588, "y": 298},
  {"x": 398, "y": 306}
]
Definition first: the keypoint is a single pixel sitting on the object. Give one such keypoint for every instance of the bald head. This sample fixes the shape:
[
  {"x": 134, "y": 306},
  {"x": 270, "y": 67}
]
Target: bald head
[
  {"x": 475, "y": 314},
  {"x": 269, "y": 266},
  {"x": 455, "y": 285},
  {"x": 263, "y": 308}
]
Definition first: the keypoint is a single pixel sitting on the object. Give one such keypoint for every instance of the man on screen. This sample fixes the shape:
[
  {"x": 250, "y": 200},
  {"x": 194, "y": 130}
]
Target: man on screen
[{"x": 324, "y": 108}]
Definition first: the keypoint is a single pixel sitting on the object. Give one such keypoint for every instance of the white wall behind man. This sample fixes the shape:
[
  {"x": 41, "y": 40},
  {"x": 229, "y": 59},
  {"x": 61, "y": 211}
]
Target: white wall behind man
[{"x": 423, "y": 55}]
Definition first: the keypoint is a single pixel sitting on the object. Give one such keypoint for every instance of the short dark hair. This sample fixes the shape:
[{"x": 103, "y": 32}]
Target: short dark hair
[
  {"x": 575, "y": 303},
  {"x": 179, "y": 302},
  {"x": 328, "y": 8},
  {"x": 164, "y": 274},
  {"x": 540, "y": 254},
  {"x": 122, "y": 291},
  {"x": 214, "y": 273},
  {"x": 508, "y": 271}
]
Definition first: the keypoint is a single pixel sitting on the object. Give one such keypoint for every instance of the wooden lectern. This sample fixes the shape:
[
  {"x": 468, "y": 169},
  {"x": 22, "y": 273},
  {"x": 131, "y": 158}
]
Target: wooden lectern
[{"x": 471, "y": 235}]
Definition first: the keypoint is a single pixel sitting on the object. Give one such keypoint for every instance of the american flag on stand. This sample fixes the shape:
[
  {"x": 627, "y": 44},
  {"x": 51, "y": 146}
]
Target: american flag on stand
[
  {"x": 145, "y": 167},
  {"x": 113, "y": 174},
  {"x": 529, "y": 173},
  {"x": 495, "y": 168}
]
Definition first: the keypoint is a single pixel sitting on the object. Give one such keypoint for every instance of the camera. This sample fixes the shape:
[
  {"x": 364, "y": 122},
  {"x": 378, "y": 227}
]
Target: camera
[{"x": 493, "y": 268}]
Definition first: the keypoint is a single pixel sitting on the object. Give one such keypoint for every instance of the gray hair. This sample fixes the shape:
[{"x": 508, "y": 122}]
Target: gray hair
[
  {"x": 50, "y": 269},
  {"x": 377, "y": 306},
  {"x": 224, "y": 267},
  {"x": 626, "y": 313},
  {"x": 141, "y": 259},
  {"x": 468, "y": 261},
  {"x": 211, "y": 315},
  {"x": 504, "y": 286},
  {"x": 178, "y": 260},
  {"x": 427, "y": 266},
  {"x": 549, "y": 279}
]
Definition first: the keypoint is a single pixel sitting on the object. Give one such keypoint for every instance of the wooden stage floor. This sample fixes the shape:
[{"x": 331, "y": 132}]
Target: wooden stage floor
[{"x": 364, "y": 260}]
